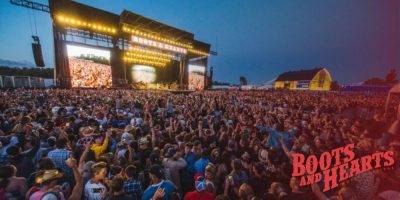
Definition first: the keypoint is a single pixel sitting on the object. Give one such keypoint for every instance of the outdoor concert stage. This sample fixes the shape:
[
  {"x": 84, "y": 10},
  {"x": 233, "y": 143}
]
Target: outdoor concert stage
[{"x": 96, "y": 48}]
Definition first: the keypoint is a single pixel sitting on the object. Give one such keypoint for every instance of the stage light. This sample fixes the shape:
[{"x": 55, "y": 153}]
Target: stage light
[{"x": 61, "y": 18}]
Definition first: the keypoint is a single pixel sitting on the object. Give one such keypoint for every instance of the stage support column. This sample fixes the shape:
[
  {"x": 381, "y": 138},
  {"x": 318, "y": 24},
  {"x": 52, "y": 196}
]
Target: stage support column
[
  {"x": 118, "y": 73},
  {"x": 63, "y": 78},
  {"x": 181, "y": 72},
  {"x": 206, "y": 85}
]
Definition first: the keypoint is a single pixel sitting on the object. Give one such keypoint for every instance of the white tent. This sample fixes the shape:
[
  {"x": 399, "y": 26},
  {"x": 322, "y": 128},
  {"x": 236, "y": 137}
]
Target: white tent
[
  {"x": 395, "y": 90},
  {"x": 268, "y": 85}
]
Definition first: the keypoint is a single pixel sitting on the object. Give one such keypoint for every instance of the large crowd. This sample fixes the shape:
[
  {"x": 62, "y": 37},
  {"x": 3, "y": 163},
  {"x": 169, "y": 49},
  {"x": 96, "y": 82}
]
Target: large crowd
[
  {"x": 86, "y": 73},
  {"x": 126, "y": 144}
]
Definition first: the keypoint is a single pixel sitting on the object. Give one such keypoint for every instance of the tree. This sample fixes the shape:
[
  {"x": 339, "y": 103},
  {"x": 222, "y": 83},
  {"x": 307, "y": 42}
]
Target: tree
[
  {"x": 335, "y": 86},
  {"x": 220, "y": 83},
  {"x": 391, "y": 77},
  {"x": 243, "y": 80},
  {"x": 375, "y": 81},
  {"x": 34, "y": 72}
]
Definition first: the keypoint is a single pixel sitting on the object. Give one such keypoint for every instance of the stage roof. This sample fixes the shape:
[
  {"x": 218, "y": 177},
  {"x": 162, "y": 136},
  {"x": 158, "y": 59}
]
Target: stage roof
[
  {"x": 78, "y": 10},
  {"x": 302, "y": 75},
  {"x": 88, "y": 13},
  {"x": 145, "y": 23}
]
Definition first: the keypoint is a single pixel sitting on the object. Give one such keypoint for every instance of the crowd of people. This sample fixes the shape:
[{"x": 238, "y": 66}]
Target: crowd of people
[
  {"x": 86, "y": 73},
  {"x": 127, "y": 144},
  {"x": 155, "y": 86}
]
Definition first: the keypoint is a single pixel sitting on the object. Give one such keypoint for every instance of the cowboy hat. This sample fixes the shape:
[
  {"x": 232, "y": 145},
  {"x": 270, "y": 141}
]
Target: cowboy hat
[{"x": 48, "y": 175}]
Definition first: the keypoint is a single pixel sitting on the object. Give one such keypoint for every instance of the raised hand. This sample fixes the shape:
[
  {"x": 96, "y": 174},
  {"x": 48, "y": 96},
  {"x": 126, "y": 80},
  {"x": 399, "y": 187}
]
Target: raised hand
[
  {"x": 159, "y": 193},
  {"x": 71, "y": 162}
]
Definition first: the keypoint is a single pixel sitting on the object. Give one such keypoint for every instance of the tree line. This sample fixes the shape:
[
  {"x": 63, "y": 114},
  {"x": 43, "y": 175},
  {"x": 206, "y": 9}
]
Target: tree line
[
  {"x": 391, "y": 78},
  {"x": 34, "y": 72}
]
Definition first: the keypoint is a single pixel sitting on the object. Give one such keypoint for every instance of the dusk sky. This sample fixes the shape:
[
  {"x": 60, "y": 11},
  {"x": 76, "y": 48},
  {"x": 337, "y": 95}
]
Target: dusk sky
[{"x": 354, "y": 39}]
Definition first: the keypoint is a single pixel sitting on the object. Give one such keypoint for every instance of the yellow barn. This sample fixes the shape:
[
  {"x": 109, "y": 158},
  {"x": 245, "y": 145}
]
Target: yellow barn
[{"x": 312, "y": 79}]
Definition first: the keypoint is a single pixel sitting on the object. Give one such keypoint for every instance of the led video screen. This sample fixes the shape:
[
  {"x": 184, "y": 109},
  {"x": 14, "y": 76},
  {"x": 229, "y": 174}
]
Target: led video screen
[
  {"x": 196, "y": 77},
  {"x": 89, "y": 67},
  {"x": 149, "y": 74},
  {"x": 143, "y": 74}
]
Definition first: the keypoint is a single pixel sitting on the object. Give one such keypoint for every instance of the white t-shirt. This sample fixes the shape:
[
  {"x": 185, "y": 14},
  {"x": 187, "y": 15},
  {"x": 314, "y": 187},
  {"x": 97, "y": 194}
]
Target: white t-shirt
[{"x": 95, "y": 191}]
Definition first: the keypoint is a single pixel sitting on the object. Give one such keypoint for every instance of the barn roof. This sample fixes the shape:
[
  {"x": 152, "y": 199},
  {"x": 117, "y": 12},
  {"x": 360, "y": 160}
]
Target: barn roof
[{"x": 302, "y": 75}]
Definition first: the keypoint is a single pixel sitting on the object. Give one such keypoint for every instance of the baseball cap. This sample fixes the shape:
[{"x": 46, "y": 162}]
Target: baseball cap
[
  {"x": 170, "y": 152},
  {"x": 126, "y": 136},
  {"x": 200, "y": 184},
  {"x": 157, "y": 171},
  {"x": 154, "y": 158}
]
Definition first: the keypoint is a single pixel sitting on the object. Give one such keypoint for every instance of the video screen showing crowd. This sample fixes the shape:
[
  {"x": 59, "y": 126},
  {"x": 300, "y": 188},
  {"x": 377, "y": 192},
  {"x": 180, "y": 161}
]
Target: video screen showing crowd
[
  {"x": 196, "y": 77},
  {"x": 89, "y": 67}
]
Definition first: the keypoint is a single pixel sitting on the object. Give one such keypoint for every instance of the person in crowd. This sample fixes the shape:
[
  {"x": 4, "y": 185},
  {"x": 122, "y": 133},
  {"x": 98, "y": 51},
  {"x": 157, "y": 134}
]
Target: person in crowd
[
  {"x": 49, "y": 184},
  {"x": 258, "y": 179},
  {"x": 201, "y": 164},
  {"x": 117, "y": 192},
  {"x": 210, "y": 176},
  {"x": 276, "y": 191},
  {"x": 60, "y": 155},
  {"x": 100, "y": 145},
  {"x": 200, "y": 193},
  {"x": 132, "y": 185},
  {"x": 95, "y": 188},
  {"x": 246, "y": 192},
  {"x": 297, "y": 191},
  {"x": 160, "y": 188},
  {"x": 48, "y": 146},
  {"x": 188, "y": 173},
  {"x": 174, "y": 163},
  {"x": 235, "y": 179},
  {"x": 23, "y": 161},
  {"x": 14, "y": 187}
]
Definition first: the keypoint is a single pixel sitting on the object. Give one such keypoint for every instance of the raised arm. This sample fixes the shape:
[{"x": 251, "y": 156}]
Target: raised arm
[
  {"x": 317, "y": 191},
  {"x": 78, "y": 188},
  {"x": 83, "y": 157},
  {"x": 286, "y": 150}
]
